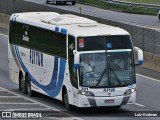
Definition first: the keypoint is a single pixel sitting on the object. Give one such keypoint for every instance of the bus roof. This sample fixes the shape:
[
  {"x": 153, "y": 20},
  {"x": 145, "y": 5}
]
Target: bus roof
[{"x": 67, "y": 23}]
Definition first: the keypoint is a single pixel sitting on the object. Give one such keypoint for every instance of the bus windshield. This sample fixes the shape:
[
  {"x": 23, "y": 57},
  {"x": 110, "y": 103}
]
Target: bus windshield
[{"x": 114, "y": 68}]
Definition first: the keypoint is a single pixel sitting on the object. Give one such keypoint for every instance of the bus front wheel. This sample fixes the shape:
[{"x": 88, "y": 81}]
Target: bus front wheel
[{"x": 66, "y": 100}]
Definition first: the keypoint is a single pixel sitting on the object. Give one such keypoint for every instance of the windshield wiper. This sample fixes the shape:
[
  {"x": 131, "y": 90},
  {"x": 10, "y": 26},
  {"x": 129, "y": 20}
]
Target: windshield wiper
[
  {"x": 116, "y": 76},
  {"x": 100, "y": 79}
]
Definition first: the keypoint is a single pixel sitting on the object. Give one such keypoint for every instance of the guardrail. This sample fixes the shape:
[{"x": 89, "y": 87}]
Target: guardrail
[{"x": 133, "y": 4}]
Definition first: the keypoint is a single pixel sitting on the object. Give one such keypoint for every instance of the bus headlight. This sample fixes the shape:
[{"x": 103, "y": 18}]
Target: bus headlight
[
  {"x": 129, "y": 91},
  {"x": 86, "y": 93}
]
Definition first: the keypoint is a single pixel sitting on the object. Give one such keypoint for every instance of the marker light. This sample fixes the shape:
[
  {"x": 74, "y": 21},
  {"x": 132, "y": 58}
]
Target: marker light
[
  {"x": 81, "y": 42},
  {"x": 129, "y": 91}
]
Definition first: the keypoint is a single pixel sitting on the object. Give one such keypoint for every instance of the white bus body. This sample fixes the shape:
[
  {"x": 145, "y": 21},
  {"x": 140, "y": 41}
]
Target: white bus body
[{"x": 46, "y": 49}]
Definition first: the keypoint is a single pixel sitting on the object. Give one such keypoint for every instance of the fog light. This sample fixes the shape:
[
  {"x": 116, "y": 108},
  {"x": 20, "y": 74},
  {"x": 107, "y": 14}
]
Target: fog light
[{"x": 129, "y": 91}]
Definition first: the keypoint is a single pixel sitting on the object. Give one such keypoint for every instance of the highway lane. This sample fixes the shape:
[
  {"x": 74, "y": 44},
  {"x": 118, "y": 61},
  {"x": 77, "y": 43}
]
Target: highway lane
[
  {"x": 147, "y": 94},
  {"x": 145, "y": 20}
]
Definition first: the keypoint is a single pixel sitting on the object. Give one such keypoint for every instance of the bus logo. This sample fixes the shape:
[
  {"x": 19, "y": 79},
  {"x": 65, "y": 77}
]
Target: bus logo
[
  {"x": 25, "y": 36},
  {"x": 36, "y": 58},
  {"x": 109, "y": 90}
]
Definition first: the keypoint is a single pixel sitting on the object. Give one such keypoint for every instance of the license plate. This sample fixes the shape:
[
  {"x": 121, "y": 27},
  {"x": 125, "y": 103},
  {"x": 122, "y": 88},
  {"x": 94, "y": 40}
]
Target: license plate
[{"x": 109, "y": 101}]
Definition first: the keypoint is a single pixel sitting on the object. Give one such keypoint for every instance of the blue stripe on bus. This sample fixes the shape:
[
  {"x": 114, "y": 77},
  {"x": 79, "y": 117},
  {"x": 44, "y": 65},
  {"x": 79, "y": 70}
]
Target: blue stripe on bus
[
  {"x": 63, "y": 30},
  {"x": 55, "y": 74},
  {"x": 13, "y": 17},
  {"x": 57, "y": 29},
  {"x": 53, "y": 88},
  {"x": 17, "y": 54},
  {"x": 16, "y": 17},
  {"x": 140, "y": 62}
]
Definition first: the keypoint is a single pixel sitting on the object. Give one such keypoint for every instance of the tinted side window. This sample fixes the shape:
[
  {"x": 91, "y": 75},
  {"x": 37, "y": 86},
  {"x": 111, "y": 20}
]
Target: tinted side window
[
  {"x": 39, "y": 39},
  {"x": 73, "y": 71},
  {"x": 101, "y": 42}
]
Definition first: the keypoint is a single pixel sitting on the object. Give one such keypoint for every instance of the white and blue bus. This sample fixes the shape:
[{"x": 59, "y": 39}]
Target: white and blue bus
[{"x": 48, "y": 53}]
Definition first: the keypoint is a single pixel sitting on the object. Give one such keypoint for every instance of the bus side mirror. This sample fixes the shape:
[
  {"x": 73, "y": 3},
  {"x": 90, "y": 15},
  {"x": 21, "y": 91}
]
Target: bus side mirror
[
  {"x": 138, "y": 56},
  {"x": 76, "y": 59}
]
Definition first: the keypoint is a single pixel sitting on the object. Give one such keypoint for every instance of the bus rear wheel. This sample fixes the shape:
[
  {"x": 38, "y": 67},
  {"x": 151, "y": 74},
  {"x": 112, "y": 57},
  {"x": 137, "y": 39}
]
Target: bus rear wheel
[
  {"x": 66, "y": 100},
  {"x": 29, "y": 90}
]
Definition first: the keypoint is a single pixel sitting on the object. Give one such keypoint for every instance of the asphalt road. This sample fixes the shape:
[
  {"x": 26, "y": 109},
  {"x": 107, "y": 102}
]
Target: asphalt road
[
  {"x": 147, "y": 96},
  {"x": 145, "y": 20}
]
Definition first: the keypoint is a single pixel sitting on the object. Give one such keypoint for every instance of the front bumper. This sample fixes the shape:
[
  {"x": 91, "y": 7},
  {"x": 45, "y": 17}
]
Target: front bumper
[{"x": 89, "y": 101}]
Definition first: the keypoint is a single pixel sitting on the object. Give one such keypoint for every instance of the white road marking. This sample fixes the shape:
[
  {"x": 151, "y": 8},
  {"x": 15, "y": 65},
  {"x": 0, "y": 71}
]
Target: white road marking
[
  {"x": 10, "y": 97},
  {"x": 33, "y": 101},
  {"x": 70, "y": 117},
  {"x": 148, "y": 77},
  {"x": 27, "y": 109},
  {"x": 4, "y": 35},
  {"x": 64, "y": 118},
  {"x": 2, "y": 90},
  {"x": 140, "y": 105},
  {"x": 55, "y": 118},
  {"x": 18, "y": 103}
]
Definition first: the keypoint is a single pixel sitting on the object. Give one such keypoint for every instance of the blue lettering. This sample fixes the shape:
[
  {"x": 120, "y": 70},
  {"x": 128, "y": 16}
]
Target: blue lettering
[
  {"x": 109, "y": 90},
  {"x": 36, "y": 58},
  {"x": 41, "y": 59}
]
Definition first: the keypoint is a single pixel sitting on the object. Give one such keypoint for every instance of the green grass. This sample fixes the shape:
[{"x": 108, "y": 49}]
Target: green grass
[
  {"x": 120, "y": 8},
  {"x": 144, "y": 1}
]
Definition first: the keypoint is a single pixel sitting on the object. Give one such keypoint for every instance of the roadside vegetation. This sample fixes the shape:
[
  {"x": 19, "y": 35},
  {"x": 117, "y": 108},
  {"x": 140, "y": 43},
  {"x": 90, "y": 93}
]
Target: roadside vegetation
[
  {"x": 144, "y": 1},
  {"x": 120, "y": 8}
]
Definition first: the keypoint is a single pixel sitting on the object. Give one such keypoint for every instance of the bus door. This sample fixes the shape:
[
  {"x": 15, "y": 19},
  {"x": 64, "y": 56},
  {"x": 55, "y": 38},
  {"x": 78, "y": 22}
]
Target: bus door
[{"x": 73, "y": 72}]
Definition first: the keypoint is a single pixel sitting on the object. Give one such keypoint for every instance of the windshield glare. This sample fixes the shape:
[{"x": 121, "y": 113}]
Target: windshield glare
[{"x": 111, "y": 69}]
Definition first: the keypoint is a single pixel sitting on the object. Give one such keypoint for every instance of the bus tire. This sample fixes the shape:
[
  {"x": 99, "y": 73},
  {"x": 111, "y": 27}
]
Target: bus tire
[
  {"x": 23, "y": 86},
  {"x": 66, "y": 100},
  {"x": 29, "y": 90}
]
